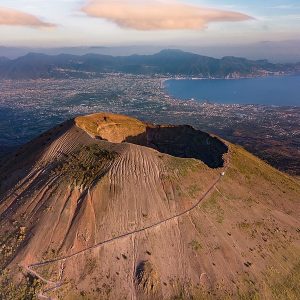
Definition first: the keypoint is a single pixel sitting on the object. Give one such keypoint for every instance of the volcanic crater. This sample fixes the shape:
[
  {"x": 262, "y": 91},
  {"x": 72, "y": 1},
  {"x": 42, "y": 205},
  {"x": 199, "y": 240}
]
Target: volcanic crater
[{"x": 180, "y": 141}]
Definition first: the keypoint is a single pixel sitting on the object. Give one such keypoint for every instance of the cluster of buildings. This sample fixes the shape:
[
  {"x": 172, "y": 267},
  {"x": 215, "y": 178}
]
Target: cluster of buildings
[{"x": 28, "y": 107}]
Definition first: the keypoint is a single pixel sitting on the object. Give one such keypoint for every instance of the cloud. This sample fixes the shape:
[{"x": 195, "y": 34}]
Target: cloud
[
  {"x": 158, "y": 14},
  {"x": 12, "y": 17}
]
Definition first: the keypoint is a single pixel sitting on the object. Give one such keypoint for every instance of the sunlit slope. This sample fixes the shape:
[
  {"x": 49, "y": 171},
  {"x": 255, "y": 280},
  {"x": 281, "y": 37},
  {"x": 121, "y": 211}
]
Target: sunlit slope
[
  {"x": 248, "y": 237},
  {"x": 111, "y": 127},
  {"x": 92, "y": 218}
]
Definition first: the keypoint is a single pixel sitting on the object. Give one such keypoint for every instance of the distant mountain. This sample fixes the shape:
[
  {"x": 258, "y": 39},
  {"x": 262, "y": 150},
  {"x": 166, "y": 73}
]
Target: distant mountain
[
  {"x": 166, "y": 62},
  {"x": 275, "y": 51},
  {"x": 107, "y": 207},
  {"x": 3, "y": 59}
]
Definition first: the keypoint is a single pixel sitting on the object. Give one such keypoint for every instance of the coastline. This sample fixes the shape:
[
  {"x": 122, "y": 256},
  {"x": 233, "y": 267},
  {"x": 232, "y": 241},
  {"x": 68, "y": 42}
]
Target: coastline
[
  {"x": 256, "y": 92},
  {"x": 229, "y": 78}
]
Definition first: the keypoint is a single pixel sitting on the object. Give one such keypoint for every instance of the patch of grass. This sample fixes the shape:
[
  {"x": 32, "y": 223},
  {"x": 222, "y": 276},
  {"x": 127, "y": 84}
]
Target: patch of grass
[
  {"x": 251, "y": 228},
  {"x": 213, "y": 206},
  {"x": 26, "y": 289},
  {"x": 182, "y": 166},
  {"x": 195, "y": 222},
  {"x": 195, "y": 245},
  {"x": 10, "y": 242},
  {"x": 193, "y": 190},
  {"x": 254, "y": 169},
  {"x": 50, "y": 254},
  {"x": 275, "y": 287},
  {"x": 178, "y": 190},
  {"x": 50, "y": 270},
  {"x": 249, "y": 295},
  {"x": 89, "y": 268},
  {"x": 90, "y": 265},
  {"x": 80, "y": 295},
  {"x": 244, "y": 225},
  {"x": 287, "y": 287},
  {"x": 182, "y": 291},
  {"x": 84, "y": 166}
]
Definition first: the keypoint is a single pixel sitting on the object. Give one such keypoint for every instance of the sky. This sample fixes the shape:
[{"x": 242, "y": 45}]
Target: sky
[{"x": 56, "y": 23}]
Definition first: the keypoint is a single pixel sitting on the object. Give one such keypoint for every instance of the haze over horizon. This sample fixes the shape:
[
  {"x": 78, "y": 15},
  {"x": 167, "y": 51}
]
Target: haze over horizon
[{"x": 276, "y": 52}]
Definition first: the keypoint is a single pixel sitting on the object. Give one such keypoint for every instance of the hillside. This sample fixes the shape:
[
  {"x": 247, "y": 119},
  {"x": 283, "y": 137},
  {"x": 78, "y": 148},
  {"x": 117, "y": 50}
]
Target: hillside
[
  {"x": 108, "y": 207},
  {"x": 166, "y": 62}
]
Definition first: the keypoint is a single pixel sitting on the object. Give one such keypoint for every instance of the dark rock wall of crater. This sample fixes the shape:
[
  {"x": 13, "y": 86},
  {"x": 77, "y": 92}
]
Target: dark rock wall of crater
[{"x": 183, "y": 141}]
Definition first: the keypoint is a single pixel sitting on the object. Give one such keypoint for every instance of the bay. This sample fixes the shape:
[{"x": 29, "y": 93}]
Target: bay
[{"x": 278, "y": 91}]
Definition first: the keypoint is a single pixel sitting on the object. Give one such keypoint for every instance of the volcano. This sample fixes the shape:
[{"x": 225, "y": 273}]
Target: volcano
[{"x": 105, "y": 206}]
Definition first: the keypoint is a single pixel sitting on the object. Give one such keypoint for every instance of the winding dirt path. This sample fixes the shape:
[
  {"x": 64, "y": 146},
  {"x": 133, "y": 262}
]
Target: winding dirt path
[{"x": 56, "y": 285}]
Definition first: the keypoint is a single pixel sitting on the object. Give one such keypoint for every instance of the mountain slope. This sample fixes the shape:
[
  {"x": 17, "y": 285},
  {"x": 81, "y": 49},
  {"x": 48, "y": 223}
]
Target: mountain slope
[
  {"x": 166, "y": 62},
  {"x": 97, "y": 208}
]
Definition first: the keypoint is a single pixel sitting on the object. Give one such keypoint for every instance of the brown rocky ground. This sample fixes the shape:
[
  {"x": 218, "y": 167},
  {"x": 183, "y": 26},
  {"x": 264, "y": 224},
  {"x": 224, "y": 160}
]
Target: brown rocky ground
[{"x": 107, "y": 207}]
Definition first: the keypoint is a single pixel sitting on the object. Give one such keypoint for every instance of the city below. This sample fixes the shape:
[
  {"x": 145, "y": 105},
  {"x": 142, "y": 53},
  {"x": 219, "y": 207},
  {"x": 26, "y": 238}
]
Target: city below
[{"x": 29, "y": 107}]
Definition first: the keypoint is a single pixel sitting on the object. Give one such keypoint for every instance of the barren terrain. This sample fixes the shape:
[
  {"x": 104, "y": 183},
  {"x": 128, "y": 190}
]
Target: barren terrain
[{"x": 108, "y": 207}]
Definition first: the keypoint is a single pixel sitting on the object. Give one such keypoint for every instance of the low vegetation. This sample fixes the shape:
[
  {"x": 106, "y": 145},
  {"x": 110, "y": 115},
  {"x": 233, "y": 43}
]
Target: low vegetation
[
  {"x": 252, "y": 168},
  {"x": 287, "y": 287},
  {"x": 212, "y": 206},
  {"x": 193, "y": 190},
  {"x": 26, "y": 289},
  {"x": 10, "y": 242},
  {"x": 84, "y": 166},
  {"x": 195, "y": 245},
  {"x": 182, "y": 166}
]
